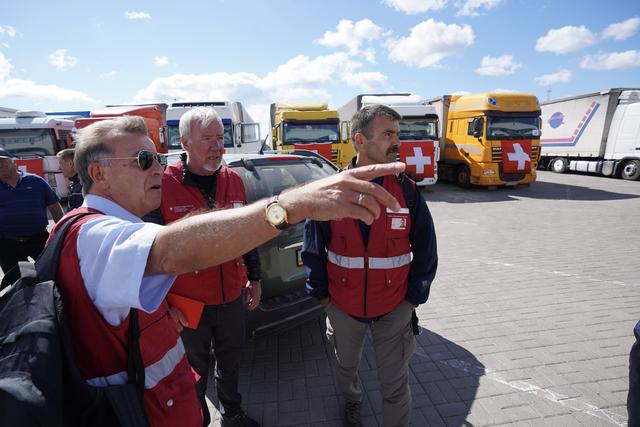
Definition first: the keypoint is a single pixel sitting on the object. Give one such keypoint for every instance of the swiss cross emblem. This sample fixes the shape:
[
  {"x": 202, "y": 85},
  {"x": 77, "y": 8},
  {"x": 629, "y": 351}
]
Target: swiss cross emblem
[
  {"x": 516, "y": 156},
  {"x": 419, "y": 158},
  {"x": 324, "y": 149}
]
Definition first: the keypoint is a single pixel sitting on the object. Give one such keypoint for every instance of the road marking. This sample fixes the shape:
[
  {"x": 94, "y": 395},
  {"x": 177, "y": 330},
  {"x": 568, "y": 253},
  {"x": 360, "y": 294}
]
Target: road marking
[{"x": 527, "y": 387}]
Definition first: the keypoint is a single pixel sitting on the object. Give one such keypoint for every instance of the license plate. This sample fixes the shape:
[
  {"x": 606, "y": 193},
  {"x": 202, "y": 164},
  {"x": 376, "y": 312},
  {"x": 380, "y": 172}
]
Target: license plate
[{"x": 299, "y": 257}]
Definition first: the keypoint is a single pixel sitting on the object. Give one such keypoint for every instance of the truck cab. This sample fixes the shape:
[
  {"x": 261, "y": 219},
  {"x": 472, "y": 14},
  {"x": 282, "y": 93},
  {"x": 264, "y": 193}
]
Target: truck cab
[
  {"x": 489, "y": 139},
  {"x": 34, "y": 138},
  {"x": 312, "y": 127}
]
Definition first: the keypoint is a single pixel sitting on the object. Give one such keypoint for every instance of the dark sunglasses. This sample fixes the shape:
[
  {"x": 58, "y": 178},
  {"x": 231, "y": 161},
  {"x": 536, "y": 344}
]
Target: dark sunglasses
[{"x": 145, "y": 159}]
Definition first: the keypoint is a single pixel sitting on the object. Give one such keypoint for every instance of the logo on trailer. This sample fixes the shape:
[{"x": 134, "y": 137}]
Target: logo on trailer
[
  {"x": 556, "y": 120},
  {"x": 516, "y": 156}
]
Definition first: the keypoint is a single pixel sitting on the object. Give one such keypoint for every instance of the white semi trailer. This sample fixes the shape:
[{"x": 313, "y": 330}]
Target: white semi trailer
[{"x": 596, "y": 132}]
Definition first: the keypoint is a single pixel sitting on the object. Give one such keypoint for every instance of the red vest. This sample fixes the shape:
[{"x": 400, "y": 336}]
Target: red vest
[
  {"x": 222, "y": 283},
  {"x": 371, "y": 281},
  {"x": 101, "y": 350}
]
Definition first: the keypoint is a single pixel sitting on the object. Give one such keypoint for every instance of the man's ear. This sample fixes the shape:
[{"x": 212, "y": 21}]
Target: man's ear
[
  {"x": 184, "y": 142},
  {"x": 358, "y": 139},
  {"x": 97, "y": 172}
]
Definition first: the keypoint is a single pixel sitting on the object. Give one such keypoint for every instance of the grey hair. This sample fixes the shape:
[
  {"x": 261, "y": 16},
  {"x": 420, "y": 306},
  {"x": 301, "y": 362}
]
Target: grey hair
[
  {"x": 92, "y": 143},
  {"x": 361, "y": 121},
  {"x": 66, "y": 154},
  {"x": 203, "y": 116}
]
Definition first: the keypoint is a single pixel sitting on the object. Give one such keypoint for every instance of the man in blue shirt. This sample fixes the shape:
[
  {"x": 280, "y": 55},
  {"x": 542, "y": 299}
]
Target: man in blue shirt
[{"x": 24, "y": 200}]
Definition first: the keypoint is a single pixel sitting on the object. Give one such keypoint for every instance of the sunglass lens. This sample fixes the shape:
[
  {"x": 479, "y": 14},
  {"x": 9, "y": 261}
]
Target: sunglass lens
[{"x": 145, "y": 159}]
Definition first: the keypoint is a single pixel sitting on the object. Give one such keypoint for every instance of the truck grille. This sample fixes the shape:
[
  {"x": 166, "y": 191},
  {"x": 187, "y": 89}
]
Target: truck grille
[{"x": 496, "y": 153}]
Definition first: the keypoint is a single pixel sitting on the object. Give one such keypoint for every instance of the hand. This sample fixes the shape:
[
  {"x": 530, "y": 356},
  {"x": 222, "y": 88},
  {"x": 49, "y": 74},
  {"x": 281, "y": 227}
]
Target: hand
[
  {"x": 325, "y": 301},
  {"x": 253, "y": 294},
  {"x": 179, "y": 318},
  {"x": 346, "y": 194}
]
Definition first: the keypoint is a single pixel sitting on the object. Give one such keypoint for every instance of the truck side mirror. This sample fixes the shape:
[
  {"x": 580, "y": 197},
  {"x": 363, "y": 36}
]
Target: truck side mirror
[{"x": 344, "y": 132}]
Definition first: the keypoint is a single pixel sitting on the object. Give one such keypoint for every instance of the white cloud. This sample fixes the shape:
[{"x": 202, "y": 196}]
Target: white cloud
[
  {"x": 351, "y": 36},
  {"x": 562, "y": 76},
  {"x": 566, "y": 39},
  {"x": 29, "y": 89},
  {"x": 429, "y": 43},
  {"x": 8, "y": 30},
  {"x": 611, "y": 61},
  {"x": 498, "y": 66},
  {"x": 470, "y": 7},
  {"x": 622, "y": 30},
  {"x": 161, "y": 60},
  {"x": 62, "y": 60},
  {"x": 137, "y": 15},
  {"x": 108, "y": 74},
  {"x": 413, "y": 7},
  {"x": 367, "y": 81},
  {"x": 5, "y": 67}
]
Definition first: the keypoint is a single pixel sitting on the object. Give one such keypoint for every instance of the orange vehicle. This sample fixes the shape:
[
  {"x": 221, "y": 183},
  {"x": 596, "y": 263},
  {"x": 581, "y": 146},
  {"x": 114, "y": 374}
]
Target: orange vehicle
[{"x": 153, "y": 116}]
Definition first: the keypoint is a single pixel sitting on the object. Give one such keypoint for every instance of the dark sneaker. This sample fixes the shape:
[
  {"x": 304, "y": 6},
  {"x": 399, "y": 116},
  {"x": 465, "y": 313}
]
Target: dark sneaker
[
  {"x": 352, "y": 413},
  {"x": 239, "y": 420}
]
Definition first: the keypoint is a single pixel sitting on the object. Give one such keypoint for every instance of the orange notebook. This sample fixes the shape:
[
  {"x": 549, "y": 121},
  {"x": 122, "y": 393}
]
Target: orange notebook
[{"x": 191, "y": 308}]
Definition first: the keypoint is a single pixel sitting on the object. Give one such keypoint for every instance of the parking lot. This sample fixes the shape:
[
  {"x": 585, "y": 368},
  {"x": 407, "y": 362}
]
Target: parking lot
[{"x": 530, "y": 319}]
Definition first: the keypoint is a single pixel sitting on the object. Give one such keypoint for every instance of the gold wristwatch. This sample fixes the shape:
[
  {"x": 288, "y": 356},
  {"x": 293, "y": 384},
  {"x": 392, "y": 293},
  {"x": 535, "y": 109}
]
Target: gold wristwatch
[{"x": 276, "y": 215}]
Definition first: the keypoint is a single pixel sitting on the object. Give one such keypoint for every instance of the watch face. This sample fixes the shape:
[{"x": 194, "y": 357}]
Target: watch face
[{"x": 275, "y": 214}]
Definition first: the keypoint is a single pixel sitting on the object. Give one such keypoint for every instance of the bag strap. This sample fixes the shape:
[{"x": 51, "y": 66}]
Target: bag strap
[
  {"x": 47, "y": 262},
  {"x": 135, "y": 366}
]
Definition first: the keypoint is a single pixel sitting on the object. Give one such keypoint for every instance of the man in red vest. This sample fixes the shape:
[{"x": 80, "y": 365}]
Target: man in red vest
[
  {"x": 112, "y": 261},
  {"x": 198, "y": 182},
  {"x": 373, "y": 276}
]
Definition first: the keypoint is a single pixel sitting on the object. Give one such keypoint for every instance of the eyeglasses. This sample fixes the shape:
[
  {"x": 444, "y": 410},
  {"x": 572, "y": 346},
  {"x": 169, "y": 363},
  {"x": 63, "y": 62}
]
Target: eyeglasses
[{"x": 145, "y": 159}]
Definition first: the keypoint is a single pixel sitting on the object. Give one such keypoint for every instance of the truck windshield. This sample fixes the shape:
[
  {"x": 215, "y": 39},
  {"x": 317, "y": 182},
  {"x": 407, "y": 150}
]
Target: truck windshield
[
  {"x": 417, "y": 129},
  {"x": 174, "y": 137},
  {"x": 513, "y": 128},
  {"x": 20, "y": 142},
  {"x": 308, "y": 133}
]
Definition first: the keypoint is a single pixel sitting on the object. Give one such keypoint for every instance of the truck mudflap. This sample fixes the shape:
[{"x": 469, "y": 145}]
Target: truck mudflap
[{"x": 420, "y": 158}]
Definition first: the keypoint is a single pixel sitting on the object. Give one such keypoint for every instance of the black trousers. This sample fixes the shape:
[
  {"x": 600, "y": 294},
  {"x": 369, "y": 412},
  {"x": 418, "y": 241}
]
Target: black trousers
[
  {"x": 633, "y": 399},
  {"x": 221, "y": 328},
  {"x": 14, "y": 249}
]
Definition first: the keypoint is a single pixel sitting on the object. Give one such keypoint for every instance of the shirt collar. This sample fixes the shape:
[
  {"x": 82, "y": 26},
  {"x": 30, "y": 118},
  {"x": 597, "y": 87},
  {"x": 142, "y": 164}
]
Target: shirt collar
[{"x": 109, "y": 207}]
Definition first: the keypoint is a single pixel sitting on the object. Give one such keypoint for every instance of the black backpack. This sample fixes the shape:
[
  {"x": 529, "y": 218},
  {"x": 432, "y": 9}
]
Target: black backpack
[{"x": 39, "y": 381}]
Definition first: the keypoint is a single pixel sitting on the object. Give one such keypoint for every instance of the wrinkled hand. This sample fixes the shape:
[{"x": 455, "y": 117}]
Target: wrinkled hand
[
  {"x": 253, "y": 294},
  {"x": 179, "y": 318},
  {"x": 339, "y": 196}
]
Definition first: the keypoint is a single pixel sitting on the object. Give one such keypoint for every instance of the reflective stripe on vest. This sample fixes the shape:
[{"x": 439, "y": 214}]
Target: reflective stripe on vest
[
  {"x": 374, "y": 262},
  {"x": 153, "y": 374},
  {"x": 400, "y": 211}
]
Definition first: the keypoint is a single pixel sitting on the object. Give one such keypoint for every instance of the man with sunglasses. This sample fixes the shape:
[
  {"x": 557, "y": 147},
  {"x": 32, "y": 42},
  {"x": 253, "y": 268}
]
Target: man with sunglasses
[
  {"x": 112, "y": 261},
  {"x": 199, "y": 182}
]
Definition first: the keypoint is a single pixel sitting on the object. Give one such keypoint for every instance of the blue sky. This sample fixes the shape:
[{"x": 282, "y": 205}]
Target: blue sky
[{"x": 78, "y": 56}]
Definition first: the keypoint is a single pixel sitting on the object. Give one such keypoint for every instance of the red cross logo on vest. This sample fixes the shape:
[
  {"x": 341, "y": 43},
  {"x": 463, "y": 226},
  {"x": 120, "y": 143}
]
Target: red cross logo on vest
[{"x": 516, "y": 156}]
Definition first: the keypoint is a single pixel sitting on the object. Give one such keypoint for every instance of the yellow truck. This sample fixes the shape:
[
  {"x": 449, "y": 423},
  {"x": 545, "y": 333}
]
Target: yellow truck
[
  {"x": 312, "y": 127},
  {"x": 488, "y": 139}
]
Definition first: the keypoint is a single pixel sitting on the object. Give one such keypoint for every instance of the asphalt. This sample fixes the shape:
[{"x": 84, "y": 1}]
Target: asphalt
[{"x": 529, "y": 323}]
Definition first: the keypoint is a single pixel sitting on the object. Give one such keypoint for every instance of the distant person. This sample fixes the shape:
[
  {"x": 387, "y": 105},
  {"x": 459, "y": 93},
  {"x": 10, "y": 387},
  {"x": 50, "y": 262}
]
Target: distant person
[
  {"x": 196, "y": 183},
  {"x": 24, "y": 201},
  {"x": 372, "y": 277},
  {"x": 113, "y": 261},
  {"x": 74, "y": 197},
  {"x": 633, "y": 399}
]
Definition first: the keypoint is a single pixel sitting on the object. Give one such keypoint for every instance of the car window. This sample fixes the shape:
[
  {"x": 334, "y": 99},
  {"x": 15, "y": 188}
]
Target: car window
[{"x": 270, "y": 177}]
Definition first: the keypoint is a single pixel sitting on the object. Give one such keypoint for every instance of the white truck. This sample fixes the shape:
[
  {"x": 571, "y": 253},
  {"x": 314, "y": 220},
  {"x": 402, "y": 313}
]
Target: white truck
[
  {"x": 418, "y": 131},
  {"x": 596, "y": 132},
  {"x": 35, "y": 138},
  {"x": 241, "y": 133}
]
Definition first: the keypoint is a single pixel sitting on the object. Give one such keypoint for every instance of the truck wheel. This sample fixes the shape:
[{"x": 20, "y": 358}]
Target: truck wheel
[
  {"x": 463, "y": 177},
  {"x": 631, "y": 170},
  {"x": 558, "y": 165}
]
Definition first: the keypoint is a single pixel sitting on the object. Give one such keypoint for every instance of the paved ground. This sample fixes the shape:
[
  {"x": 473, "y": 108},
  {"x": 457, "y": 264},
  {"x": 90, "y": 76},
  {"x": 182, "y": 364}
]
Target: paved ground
[{"x": 529, "y": 322}]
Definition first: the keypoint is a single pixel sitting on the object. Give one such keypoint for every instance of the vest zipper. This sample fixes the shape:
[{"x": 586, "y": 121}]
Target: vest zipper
[{"x": 366, "y": 273}]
